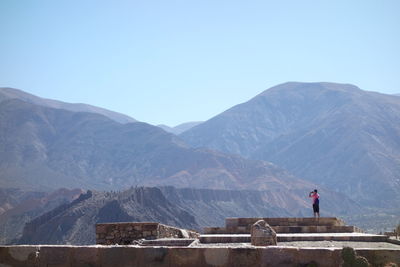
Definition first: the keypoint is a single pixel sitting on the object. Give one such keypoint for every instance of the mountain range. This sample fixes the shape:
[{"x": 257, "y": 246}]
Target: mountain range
[
  {"x": 49, "y": 148},
  {"x": 335, "y": 137},
  {"x": 332, "y": 134}
]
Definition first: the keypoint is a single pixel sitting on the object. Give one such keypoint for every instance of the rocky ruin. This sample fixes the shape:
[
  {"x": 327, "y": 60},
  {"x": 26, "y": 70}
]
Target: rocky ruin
[
  {"x": 128, "y": 233},
  {"x": 262, "y": 234},
  {"x": 154, "y": 244}
]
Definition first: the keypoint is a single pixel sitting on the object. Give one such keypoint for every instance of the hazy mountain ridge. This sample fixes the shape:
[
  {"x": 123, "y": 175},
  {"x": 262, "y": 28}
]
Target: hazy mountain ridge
[
  {"x": 48, "y": 148},
  {"x": 7, "y": 93},
  {"x": 333, "y": 134}
]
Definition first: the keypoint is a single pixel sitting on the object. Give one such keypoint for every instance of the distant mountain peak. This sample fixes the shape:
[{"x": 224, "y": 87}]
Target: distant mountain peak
[
  {"x": 330, "y": 133},
  {"x": 312, "y": 86},
  {"x": 12, "y": 93},
  {"x": 183, "y": 127}
]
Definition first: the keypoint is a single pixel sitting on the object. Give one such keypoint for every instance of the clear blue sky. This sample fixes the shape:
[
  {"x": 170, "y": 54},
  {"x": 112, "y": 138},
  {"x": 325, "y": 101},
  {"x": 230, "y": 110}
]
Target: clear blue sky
[{"x": 175, "y": 61}]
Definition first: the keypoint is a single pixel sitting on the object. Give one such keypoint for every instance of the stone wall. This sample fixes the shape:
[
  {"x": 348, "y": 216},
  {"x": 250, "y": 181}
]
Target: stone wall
[
  {"x": 127, "y": 233},
  {"x": 65, "y": 256}
]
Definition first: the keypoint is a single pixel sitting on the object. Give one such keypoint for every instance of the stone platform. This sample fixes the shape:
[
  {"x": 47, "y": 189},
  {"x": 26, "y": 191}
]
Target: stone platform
[
  {"x": 285, "y": 225},
  {"x": 135, "y": 256},
  {"x": 287, "y": 229},
  {"x": 168, "y": 242},
  {"x": 160, "y": 245},
  {"x": 245, "y": 238}
]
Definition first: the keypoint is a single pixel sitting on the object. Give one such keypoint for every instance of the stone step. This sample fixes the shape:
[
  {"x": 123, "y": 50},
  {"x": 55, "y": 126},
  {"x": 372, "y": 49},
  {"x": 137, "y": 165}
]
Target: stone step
[
  {"x": 317, "y": 229},
  {"x": 245, "y": 238},
  {"x": 309, "y": 221},
  {"x": 169, "y": 242},
  {"x": 355, "y": 237},
  {"x": 285, "y": 229},
  {"x": 221, "y": 238}
]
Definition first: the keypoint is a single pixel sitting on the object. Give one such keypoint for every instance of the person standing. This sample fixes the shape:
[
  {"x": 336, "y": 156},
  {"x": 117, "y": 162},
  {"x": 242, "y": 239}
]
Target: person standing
[{"x": 315, "y": 196}]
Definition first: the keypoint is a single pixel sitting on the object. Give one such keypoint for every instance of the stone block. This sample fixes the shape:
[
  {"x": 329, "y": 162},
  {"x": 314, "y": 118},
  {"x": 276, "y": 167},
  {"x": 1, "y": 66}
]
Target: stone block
[
  {"x": 101, "y": 229},
  {"x": 59, "y": 256},
  {"x": 216, "y": 256},
  {"x": 146, "y": 233},
  {"x": 278, "y": 256},
  {"x": 262, "y": 234},
  {"x": 208, "y": 239},
  {"x": 150, "y": 226},
  {"x": 214, "y": 230},
  {"x": 380, "y": 257},
  {"x": 188, "y": 257},
  {"x": 19, "y": 256},
  {"x": 231, "y": 222},
  {"x": 119, "y": 256},
  {"x": 100, "y": 241},
  {"x": 154, "y": 257},
  {"x": 244, "y": 257},
  {"x": 85, "y": 256}
]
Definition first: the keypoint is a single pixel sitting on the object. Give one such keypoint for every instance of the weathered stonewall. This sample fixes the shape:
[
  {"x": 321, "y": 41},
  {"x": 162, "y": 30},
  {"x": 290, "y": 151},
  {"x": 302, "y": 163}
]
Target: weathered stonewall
[{"x": 262, "y": 234}]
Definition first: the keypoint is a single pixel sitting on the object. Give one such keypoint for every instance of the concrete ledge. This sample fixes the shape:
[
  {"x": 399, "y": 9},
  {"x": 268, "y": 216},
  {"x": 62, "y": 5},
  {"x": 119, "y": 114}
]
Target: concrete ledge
[{"x": 66, "y": 256}]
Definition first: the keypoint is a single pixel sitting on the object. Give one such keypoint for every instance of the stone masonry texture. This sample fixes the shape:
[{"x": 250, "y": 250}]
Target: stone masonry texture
[
  {"x": 262, "y": 234},
  {"x": 79, "y": 256},
  {"x": 127, "y": 233}
]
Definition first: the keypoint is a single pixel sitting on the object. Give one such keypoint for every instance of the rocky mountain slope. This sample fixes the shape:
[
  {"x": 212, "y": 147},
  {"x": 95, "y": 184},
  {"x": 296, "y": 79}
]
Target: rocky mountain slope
[
  {"x": 18, "y": 207},
  {"x": 11, "y": 93},
  {"x": 332, "y": 134},
  {"x": 74, "y": 223},
  {"x": 47, "y": 148},
  {"x": 188, "y": 208}
]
